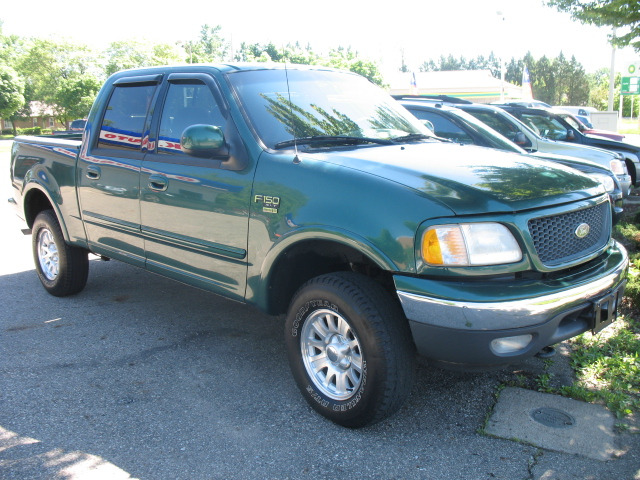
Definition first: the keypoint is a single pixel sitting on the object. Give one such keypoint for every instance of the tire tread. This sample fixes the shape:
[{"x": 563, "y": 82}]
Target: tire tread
[{"x": 391, "y": 330}]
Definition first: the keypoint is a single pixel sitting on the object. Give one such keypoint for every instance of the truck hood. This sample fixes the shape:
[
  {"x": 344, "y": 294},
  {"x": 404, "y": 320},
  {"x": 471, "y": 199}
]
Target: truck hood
[
  {"x": 574, "y": 162},
  {"x": 588, "y": 152},
  {"x": 469, "y": 179},
  {"x": 603, "y": 142}
]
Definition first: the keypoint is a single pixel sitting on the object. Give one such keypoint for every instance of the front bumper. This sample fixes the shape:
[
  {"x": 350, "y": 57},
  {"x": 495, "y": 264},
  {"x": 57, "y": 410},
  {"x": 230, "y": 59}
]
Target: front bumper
[{"x": 456, "y": 322}]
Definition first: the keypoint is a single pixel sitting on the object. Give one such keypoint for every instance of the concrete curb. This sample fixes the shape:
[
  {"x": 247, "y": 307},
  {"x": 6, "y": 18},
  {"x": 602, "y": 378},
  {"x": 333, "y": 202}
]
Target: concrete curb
[{"x": 554, "y": 423}]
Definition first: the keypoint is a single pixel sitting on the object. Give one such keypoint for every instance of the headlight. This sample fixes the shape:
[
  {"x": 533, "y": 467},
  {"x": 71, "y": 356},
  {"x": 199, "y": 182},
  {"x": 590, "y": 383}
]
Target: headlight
[
  {"x": 607, "y": 181},
  {"x": 618, "y": 167},
  {"x": 469, "y": 244}
]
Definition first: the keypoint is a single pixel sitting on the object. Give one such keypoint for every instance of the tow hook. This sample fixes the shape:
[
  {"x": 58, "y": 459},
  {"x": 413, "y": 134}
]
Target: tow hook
[{"x": 546, "y": 352}]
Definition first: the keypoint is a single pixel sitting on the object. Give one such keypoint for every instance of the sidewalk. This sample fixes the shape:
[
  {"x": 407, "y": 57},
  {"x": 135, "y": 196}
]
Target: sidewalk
[{"x": 596, "y": 442}]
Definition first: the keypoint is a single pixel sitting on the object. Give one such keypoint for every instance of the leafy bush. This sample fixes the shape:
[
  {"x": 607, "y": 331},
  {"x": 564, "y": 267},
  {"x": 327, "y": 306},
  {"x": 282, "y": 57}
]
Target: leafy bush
[
  {"x": 608, "y": 367},
  {"x": 628, "y": 233},
  {"x": 30, "y": 131}
]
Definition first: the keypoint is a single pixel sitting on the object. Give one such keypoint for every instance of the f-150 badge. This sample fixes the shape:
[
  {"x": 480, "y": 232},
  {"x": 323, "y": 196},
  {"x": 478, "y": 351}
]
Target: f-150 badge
[{"x": 270, "y": 204}]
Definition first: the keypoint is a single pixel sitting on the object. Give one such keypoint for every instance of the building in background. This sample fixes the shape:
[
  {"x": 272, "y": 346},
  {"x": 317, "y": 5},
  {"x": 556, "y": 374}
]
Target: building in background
[
  {"x": 473, "y": 85},
  {"x": 42, "y": 116}
]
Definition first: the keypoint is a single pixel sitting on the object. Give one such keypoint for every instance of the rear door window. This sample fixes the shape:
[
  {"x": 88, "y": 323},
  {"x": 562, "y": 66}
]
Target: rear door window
[{"x": 124, "y": 119}]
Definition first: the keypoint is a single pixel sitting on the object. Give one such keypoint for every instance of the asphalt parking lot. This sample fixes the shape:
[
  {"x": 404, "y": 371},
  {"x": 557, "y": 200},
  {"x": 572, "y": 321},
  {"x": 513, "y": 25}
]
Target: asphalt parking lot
[{"x": 141, "y": 377}]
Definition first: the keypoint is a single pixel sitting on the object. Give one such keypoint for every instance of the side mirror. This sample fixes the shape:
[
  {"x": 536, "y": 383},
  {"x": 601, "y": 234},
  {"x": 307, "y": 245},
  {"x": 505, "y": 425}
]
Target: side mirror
[
  {"x": 429, "y": 125},
  {"x": 521, "y": 140},
  {"x": 205, "y": 141},
  {"x": 571, "y": 136}
]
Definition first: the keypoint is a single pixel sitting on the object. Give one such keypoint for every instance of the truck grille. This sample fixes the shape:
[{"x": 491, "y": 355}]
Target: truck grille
[{"x": 555, "y": 238}]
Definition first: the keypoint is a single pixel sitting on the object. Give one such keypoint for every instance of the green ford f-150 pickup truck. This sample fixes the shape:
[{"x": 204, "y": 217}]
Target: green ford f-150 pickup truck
[{"x": 309, "y": 192}]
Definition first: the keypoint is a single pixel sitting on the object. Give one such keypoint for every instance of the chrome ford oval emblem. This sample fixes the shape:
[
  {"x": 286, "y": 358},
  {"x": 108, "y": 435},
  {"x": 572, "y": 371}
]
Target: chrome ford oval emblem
[{"x": 582, "y": 230}]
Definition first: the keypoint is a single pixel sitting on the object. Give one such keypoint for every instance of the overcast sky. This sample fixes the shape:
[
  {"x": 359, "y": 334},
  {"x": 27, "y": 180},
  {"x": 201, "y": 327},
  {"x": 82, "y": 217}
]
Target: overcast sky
[{"x": 422, "y": 29}]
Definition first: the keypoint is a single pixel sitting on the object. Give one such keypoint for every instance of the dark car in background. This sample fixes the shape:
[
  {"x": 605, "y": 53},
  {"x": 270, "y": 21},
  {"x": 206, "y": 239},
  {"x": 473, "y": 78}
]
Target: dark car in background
[
  {"x": 77, "y": 125},
  {"x": 551, "y": 125},
  {"x": 455, "y": 125},
  {"x": 523, "y": 136},
  {"x": 581, "y": 113},
  {"x": 576, "y": 123}
]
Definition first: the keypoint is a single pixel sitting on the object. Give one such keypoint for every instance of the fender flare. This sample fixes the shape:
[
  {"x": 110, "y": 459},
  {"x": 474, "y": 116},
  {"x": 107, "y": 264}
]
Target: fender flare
[
  {"x": 268, "y": 264},
  {"x": 331, "y": 234},
  {"x": 32, "y": 185}
]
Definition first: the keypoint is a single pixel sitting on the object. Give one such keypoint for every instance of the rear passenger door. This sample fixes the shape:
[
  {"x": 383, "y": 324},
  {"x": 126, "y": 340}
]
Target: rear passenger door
[
  {"x": 194, "y": 211},
  {"x": 108, "y": 173}
]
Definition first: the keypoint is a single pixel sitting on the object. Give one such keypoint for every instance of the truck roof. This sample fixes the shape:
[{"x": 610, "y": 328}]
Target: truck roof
[{"x": 223, "y": 67}]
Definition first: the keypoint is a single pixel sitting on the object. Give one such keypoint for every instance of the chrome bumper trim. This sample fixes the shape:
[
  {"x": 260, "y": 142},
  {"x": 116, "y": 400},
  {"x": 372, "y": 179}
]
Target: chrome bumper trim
[{"x": 504, "y": 315}]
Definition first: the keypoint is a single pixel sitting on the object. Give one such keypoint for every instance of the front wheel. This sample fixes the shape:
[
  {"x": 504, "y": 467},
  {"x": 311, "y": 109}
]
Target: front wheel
[
  {"x": 62, "y": 269},
  {"x": 349, "y": 349}
]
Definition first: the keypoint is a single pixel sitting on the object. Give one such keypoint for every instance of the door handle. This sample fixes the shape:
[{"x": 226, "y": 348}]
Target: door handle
[
  {"x": 93, "y": 172},
  {"x": 158, "y": 183}
]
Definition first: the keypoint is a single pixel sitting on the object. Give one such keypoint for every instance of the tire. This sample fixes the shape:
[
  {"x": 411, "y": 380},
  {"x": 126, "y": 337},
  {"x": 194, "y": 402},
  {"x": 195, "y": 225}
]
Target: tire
[
  {"x": 349, "y": 348},
  {"x": 63, "y": 269}
]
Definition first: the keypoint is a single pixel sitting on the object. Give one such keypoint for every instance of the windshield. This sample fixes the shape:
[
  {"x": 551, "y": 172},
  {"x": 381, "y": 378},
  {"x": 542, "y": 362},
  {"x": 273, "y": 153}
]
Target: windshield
[
  {"x": 495, "y": 139},
  {"x": 572, "y": 121},
  {"x": 502, "y": 122},
  {"x": 320, "y": 104},
  {"x": 548, "y": 127}
]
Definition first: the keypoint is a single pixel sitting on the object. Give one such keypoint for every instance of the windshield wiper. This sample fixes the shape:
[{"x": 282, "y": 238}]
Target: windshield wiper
[
  {"x": 419, "y": 136},
  {"x": 333, "y": 140}
]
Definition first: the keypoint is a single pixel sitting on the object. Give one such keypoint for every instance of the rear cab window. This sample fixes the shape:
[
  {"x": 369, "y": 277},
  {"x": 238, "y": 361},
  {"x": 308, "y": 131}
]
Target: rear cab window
[{"x": 124, "y": 119}]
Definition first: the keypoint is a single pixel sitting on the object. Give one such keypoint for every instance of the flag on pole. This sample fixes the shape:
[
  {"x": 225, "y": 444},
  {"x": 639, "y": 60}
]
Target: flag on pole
[
  {"x": 527, "y": 91},
  {"x": 414, "y": 84}
]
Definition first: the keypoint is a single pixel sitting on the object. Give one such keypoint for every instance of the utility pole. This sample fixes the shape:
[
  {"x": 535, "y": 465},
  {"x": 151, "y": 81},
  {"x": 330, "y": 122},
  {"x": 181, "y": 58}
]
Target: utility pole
[
  {"x": 501, "y": 17},
  {"x": 612, "y": 76}
]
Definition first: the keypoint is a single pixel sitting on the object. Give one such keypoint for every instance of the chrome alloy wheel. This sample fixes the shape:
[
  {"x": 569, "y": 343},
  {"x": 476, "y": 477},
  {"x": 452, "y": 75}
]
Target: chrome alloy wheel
[
  {"x": 48, "y": 254},
  {"x": 332, "y": 355}
]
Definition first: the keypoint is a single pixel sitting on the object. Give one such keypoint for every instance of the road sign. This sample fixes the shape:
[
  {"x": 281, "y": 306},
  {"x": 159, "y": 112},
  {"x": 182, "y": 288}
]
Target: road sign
[{"x": 630, "y": 86}]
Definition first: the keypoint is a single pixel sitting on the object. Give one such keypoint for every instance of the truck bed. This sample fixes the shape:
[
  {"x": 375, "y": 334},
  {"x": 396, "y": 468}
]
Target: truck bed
[{"x": 31, "y": 150}]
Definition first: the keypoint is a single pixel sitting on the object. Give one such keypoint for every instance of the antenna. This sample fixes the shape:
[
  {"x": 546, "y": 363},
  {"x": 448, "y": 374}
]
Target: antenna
[{"x": 296, "y": 159}]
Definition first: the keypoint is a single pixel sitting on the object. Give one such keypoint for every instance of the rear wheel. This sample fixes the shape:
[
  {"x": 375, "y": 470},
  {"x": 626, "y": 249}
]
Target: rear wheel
[
  {"x": 349, "y": 349},
  {"x": 62, "y": 269}
]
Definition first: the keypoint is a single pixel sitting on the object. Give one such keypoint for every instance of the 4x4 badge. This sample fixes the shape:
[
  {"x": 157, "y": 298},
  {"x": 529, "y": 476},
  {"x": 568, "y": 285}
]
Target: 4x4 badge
[{"x": 582, "y": 230}]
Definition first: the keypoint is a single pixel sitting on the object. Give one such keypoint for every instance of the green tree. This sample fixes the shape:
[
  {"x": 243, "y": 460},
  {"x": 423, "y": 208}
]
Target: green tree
[
  {"x": 451, "y": 63},
  {"x": 403, "y": 65},
  {"x": 558, "y": 81},
  {"x": 543, "y": 80},
  {"x": 75, "y": 96},
  {"x": 49, "y": 67},
  {"x": 624, "y": 15},
  {"x": 125, "y": 54},
  {"x": 11, "y": 93},
  {"x": 210, "y": 46},
  {"x": 293, "y": 53},
  {"x": 428, "y": 66},
  {"x": 514, "y": 70},
  {"x": 576, "y": 84},
  {"x": 300, "y": 55},
  {"x": 46, "y": 63},
  {"x": 11, "y": 48},
  {"x": 341, "y": 58},
  {"x": 347, "y": 59},
  {"x": 599, "y": 89}
]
